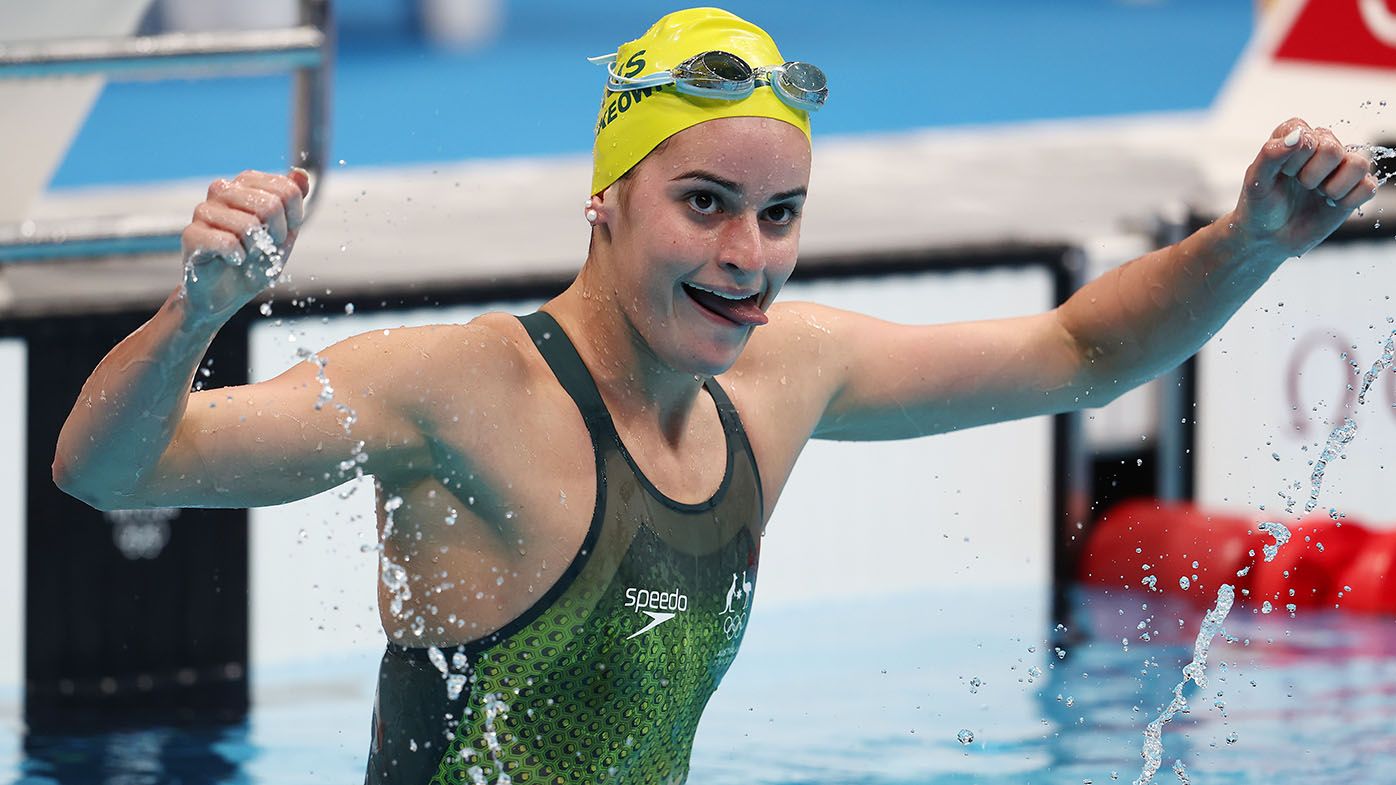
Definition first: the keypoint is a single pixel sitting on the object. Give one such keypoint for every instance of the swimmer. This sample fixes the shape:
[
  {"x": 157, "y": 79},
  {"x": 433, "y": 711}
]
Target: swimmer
[{"x": 580, "y": 493}]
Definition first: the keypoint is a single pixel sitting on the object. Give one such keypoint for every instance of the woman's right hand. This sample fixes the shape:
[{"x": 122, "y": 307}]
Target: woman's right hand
[{"x": 239, "y": 240}]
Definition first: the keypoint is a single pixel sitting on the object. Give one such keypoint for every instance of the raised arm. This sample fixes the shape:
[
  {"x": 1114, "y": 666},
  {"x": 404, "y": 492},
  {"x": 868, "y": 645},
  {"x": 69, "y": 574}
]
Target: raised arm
[
  {"x": 888, "y": 381},
  {"x": 137, "y": 437}
]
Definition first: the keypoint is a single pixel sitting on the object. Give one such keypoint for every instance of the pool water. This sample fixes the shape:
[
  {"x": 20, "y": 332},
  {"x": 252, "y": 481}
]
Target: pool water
[
  {"x": 399, "y": 102},
  {"x": 875, "y": 690}
]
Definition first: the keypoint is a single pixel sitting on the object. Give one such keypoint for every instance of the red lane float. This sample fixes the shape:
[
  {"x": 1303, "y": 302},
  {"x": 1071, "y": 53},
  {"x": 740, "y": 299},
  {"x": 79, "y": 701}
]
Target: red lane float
[
  {"x": 1139, "y": 539},
  {"x": 1306, "y": 572},
  {"x": 1183, "y": 551},
  {"x": 1369, "y": 576}
]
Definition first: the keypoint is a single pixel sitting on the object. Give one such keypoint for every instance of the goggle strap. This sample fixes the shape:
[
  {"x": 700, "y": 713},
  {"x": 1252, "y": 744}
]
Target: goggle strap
[
  {"x": 760, "y": 75},
  {"x": 621, "y": 83}
]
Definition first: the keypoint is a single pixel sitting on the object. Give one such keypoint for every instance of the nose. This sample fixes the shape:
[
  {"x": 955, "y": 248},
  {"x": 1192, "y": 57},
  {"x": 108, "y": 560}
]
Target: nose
[{"x": 740, "y": 248}]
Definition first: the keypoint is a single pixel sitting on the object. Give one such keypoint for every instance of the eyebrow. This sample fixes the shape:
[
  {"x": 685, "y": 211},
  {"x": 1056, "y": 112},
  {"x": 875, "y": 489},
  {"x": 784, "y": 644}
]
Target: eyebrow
[{"x": 699, "y": 174}]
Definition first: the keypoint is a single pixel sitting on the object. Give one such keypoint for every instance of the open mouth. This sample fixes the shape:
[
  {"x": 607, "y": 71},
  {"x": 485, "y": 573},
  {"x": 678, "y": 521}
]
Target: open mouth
[{"x": 739, "y": 311}]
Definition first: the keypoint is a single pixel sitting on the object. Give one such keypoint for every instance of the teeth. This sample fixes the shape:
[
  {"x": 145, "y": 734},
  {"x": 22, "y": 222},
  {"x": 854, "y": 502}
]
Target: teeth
[{"x": 723, "y": 295}]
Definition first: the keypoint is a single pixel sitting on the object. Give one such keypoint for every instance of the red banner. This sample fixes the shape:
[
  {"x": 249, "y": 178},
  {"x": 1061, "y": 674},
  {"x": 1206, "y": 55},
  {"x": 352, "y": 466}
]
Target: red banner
[{"x": 1343, "y": 32}]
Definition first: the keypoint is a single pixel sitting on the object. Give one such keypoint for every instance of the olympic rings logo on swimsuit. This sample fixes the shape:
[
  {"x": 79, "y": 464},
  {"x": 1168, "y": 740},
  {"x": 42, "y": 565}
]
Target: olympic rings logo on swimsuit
[
  {"x": 733, "y": 624},
  {"x": 734, "y": 619}
]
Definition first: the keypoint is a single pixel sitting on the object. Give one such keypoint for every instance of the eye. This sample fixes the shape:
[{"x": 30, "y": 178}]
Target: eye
[
  {"x": 703, "y": 202},
  {"x": 782, "y": 214}
]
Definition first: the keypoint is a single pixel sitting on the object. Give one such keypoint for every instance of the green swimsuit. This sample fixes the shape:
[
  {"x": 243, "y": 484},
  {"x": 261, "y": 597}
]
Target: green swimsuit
[{"x": 605, "y": 677}]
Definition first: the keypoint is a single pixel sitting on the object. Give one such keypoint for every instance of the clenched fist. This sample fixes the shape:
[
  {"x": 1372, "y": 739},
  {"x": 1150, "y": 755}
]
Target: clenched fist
[
  {"x": 1301, "y": 187},
  {"x": 239, "y": 239}
]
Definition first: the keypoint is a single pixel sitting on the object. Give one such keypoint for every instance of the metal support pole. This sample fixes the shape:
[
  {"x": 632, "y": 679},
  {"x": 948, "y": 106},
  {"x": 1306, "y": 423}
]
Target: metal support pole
[{"x": 308, "y": 49}]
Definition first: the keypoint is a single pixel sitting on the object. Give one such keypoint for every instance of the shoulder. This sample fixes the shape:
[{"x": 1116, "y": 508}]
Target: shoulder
[
  {"x": 791, "y": 365},
  {"x": 798, "y": 332},
  {"x": 428, "y": 361}
]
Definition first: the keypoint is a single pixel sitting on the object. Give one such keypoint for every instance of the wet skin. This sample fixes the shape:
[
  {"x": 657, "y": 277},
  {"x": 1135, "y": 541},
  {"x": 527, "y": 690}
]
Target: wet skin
[{"x": 466, "y": 423}]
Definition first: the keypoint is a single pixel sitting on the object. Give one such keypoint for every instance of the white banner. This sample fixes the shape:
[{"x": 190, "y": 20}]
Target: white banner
[
  {"x": 1285, "y": 371},
  {"x": 13, "y": 390}
]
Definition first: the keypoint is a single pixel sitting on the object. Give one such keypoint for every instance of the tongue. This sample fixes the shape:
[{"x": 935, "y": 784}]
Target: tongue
[{"x": 745, "y": 312}]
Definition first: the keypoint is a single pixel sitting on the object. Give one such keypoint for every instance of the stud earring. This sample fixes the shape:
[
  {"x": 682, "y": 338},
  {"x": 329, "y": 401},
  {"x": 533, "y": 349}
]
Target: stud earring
[{"x": 591, "y": 215}]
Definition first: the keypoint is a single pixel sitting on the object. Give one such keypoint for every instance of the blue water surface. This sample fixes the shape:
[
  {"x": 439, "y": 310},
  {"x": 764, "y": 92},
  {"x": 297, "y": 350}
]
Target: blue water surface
[
  {"x": 875, "y": 690},
  {"x": 892, "y": 66}
]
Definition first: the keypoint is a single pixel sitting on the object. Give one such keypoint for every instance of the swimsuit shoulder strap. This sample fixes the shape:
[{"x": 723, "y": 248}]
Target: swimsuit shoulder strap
[
  {"x": 727, "y": 412},
  {"x": 732, "y": 424},
  {"x": 567, "y": 365}
]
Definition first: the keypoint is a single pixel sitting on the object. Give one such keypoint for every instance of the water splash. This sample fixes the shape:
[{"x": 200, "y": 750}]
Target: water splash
[
  {"x": 1337, "y": 440},
  {"x": 495, "y": 709},
  {"x": 326, "y": 389},
  {"x": 1196, "y": 672},
  {"x": 438, "y": 659},
  {"x": 1341, "y": 436},
  {"x": 264, "y": 244},
  {"x": 393, "y": 575},
  {"x": 1377, "y": 153},
  {"x": 344, "y": 413},
  {"x": 1281, "y": 534},
  {"x": 455, "y": 682},
  {"x": 1383, "y": 362}
]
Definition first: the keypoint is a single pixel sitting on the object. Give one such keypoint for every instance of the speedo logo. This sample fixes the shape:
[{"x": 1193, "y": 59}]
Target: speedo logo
[{"x": 660, "y": 606}]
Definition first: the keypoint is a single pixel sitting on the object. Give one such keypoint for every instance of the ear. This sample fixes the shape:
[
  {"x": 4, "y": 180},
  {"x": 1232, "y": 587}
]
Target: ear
[{"x": 607, "y": 203}]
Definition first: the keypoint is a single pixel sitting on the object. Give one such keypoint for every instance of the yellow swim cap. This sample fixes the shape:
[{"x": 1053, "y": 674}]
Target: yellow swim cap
[{"x": 632, "y": 123}]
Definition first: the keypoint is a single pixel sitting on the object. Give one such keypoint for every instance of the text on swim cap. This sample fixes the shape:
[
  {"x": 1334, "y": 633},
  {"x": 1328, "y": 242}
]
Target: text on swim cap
[
  {"x": 634, "y": 64},
  {"x": 619, "y": 103}
]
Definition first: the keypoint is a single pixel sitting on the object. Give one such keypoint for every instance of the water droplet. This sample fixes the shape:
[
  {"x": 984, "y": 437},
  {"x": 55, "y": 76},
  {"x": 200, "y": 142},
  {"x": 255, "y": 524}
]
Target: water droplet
[
  {"x": 1281, "y": 535},
  {"x": 965, "y": 736},
  {"x": 437, "y": 658}
]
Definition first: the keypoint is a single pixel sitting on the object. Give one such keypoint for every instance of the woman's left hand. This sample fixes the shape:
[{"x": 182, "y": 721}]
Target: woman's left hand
[{"x": 1301, "y": 187}]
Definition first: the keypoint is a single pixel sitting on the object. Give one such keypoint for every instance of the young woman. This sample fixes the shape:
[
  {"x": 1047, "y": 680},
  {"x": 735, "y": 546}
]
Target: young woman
[{"x": 571, "y": 503}]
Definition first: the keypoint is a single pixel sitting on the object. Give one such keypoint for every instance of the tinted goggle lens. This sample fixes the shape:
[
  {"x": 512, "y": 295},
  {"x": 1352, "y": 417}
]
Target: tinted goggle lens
[
  {"x": 803, "y": 83},
  {"x": 714, "y": 69},
  {"x": 719, "y": 74},
  {"x": 804, "y": 77}
]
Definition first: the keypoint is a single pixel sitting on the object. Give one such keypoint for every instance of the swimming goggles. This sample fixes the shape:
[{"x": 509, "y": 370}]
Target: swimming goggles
[{"x": 718, "y": 74}]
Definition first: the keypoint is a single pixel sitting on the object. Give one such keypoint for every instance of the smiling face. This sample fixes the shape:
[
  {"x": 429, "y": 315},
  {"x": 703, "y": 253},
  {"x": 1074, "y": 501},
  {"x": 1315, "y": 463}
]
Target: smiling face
[{"x": 703, "y": 233}]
